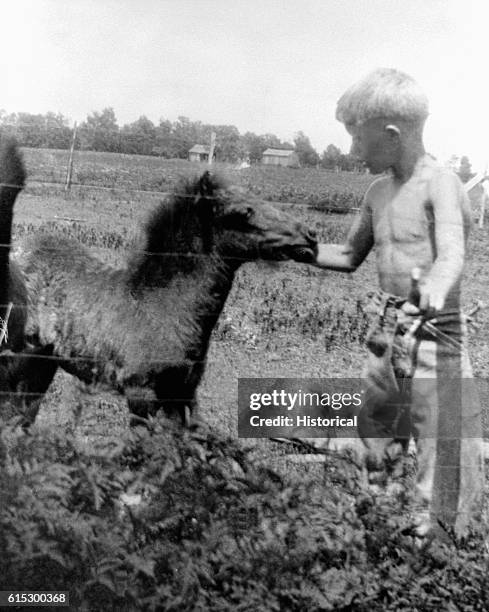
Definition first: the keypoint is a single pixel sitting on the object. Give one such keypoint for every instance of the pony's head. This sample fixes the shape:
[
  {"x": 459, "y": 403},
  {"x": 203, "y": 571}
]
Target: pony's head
[
  {"x": 241, "y": 227},
  {"x": 206, "y": 216}
]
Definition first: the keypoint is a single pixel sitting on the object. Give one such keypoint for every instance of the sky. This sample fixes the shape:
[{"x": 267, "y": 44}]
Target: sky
[{"x": 266, "y": 66}]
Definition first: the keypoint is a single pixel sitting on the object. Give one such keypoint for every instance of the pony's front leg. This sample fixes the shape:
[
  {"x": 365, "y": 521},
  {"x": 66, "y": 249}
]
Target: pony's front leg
[
  {"x": 181, "y": 411},
  {"x": 141, "y": 403},
  {"x": 192, "y": 418},
  {"x": 184, "y": 413},
  {"x": 175, "y": 389}
]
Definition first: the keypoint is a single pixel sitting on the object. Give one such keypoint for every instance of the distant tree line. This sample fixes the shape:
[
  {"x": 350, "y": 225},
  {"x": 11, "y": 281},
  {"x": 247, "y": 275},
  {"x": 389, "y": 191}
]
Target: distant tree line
[
  {"x": 101, "y": 132},
  {"x": 50, "y": 131}
]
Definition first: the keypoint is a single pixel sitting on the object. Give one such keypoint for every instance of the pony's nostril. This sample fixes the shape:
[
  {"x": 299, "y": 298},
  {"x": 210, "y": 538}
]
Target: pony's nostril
[{"x": 312, "y": 236}]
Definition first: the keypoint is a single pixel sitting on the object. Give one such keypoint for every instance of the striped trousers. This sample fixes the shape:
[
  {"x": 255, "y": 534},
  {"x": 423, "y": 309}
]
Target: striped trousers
[{"x": 419, "y": 385}]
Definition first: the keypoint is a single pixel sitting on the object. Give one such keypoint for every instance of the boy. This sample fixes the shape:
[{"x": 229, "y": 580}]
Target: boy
[{"x": 417, "y": 218}]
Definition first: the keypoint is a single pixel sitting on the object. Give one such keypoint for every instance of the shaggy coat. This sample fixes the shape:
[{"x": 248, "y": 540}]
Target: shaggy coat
[{"x": 144, "y": 329}]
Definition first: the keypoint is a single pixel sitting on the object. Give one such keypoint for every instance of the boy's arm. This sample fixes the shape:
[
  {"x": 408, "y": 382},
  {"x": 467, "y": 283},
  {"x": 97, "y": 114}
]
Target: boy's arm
[
  {"x": 447, "y": 195},
  {"x": 347, "y": 257}
]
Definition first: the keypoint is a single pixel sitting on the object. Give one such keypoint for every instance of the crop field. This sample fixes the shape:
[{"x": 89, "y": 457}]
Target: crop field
[
  {"x": 281, "y": 320},
  {"x": 315, "y": 187}
]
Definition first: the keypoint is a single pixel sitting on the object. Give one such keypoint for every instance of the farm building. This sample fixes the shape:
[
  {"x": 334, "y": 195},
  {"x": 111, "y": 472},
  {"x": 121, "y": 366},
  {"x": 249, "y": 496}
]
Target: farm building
[
  {"x": 199, "y": 153},
  {"x": 280, "y": 157}
]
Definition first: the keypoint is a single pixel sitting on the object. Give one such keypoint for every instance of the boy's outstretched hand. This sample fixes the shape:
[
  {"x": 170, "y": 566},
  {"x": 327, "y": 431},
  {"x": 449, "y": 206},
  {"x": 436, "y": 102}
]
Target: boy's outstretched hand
[{"x": 335, "y": 257}]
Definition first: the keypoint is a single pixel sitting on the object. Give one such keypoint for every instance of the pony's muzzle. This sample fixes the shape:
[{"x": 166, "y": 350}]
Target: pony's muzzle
[{"x": 306, "y": 253}]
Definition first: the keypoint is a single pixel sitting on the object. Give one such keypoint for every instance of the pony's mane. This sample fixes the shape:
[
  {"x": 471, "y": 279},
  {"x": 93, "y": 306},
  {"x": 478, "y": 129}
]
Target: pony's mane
[
  {"x": 175, "y": 225},
  {"x": 174, "y": 216}
]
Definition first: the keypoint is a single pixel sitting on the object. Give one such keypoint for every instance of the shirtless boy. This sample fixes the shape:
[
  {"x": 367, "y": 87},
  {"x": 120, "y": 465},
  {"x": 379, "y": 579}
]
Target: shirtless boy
[{"x": 416, "y": 217}]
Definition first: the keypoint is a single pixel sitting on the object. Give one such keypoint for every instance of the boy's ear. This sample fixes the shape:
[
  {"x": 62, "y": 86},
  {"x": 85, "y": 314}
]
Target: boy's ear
[{"x": 392, "y": 129}]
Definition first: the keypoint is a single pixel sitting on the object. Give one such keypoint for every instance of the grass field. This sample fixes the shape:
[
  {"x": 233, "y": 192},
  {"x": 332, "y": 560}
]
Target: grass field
[{"x": 280, "y": 320}]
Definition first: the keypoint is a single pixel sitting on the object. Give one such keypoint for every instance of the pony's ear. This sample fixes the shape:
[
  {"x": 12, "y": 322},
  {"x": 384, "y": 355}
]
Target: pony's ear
[{"x": 206, "y": 185}]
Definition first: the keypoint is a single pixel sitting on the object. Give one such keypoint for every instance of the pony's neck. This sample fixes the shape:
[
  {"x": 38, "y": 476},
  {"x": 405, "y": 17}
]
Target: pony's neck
[
  {"x": 196, "y": 289},
  {"x": 176, "y": 241},
  {"x": 213, "y": 287},
  {"x": 155, "y": 270},
  {"x": 180, "y": 263}
]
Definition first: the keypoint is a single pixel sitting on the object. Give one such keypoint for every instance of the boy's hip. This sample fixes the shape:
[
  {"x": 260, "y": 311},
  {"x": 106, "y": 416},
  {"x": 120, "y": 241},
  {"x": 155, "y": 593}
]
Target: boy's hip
[{"x": 399, "y": 341}]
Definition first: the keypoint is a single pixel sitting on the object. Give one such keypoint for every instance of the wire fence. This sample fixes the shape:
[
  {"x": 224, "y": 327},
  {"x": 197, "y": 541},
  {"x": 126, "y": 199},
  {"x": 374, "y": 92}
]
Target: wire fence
[{"x": 114, "y": 189}]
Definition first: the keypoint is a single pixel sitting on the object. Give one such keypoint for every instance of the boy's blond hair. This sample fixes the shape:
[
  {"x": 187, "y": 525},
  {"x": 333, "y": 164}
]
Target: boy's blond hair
[{"x": 385, "y": 92}]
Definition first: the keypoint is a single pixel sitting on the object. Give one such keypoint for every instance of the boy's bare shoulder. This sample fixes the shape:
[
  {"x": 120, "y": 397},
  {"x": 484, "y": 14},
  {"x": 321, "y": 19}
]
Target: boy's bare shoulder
[
  {"x": 445, "y": 174},
  {"x": 434, "y": 171},
  {"x": 443, "y": 181}
]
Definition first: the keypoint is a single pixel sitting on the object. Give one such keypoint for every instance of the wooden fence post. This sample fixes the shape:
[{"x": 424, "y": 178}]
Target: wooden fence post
[
  {"x": 482, "y": 179},
  {"x": 212, "y": 147},
  {"x": 69, "y": 170},
  {"x": 484, "y": 197}
]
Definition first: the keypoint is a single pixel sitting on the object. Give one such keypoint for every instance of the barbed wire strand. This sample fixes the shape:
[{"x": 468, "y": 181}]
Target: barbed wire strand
[
  {"x": 74, "y": 359},
  {"x": 169, "y": 254}
]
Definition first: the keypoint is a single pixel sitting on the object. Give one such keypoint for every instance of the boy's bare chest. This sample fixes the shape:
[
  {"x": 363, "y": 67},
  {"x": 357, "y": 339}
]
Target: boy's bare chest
[{"x": 402, "y": 215}]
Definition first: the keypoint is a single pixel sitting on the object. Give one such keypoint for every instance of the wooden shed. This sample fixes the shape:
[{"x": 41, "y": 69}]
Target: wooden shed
[
  {"x": 199, "y": 153},
  {"x": 280, "y": 157}
]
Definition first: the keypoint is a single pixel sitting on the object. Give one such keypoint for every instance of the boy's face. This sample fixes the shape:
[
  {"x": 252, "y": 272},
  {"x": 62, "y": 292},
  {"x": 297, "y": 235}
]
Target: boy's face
[{"x": 377, "y": 147}]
